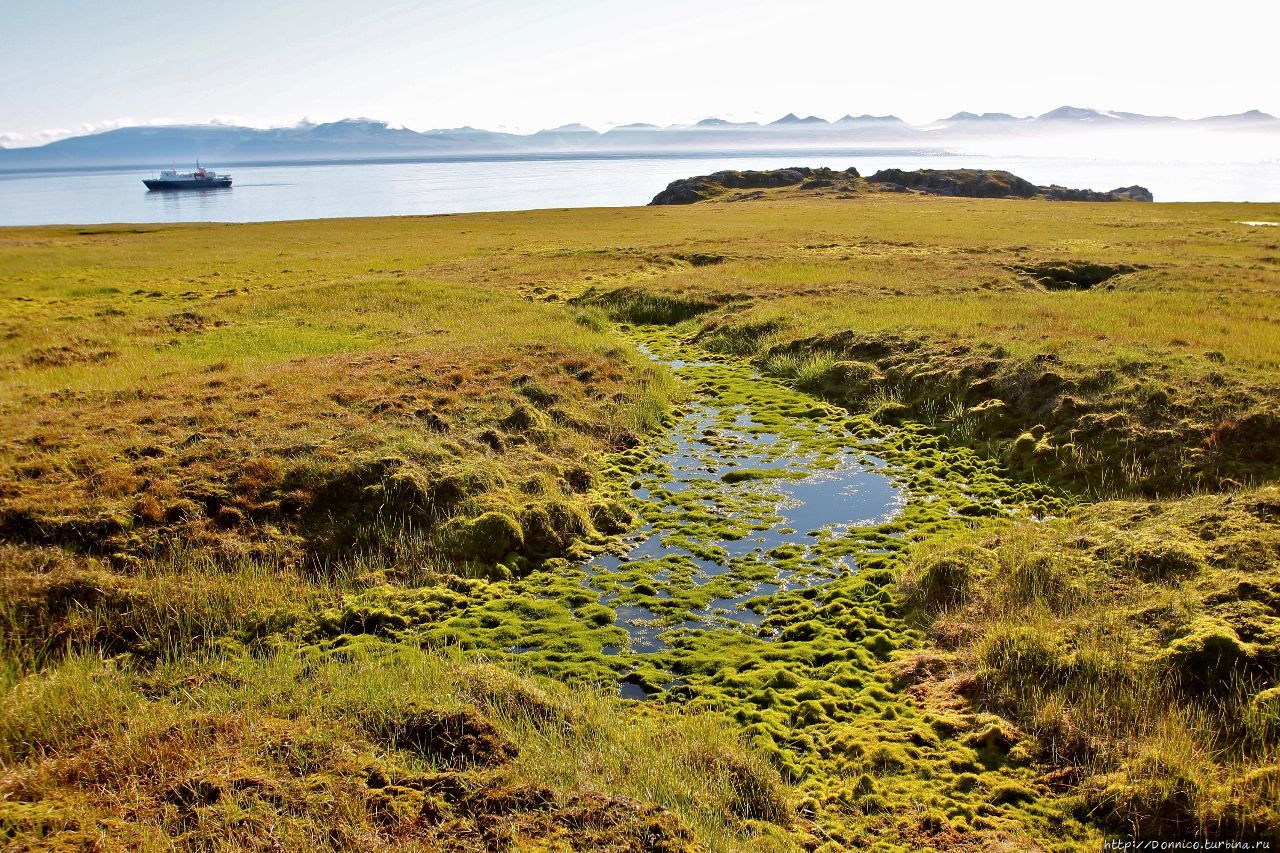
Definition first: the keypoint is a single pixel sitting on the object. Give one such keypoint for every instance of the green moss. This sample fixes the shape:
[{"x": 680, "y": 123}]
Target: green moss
[
  {"x": 1209, "y": 657},
  {"x": 488, "y": 537},
  {"x": 892, "y": 412},
  {"x": 610, "y": 517},
  {"x": 551, "y": 527},
  {"x": 1012, "y": 793},
  {"x": 1021, "y": 450},
  {"x": 1163, "y": 558},
  {"x": 529, "y": 422},
  {"x": 742, "y": 475}
]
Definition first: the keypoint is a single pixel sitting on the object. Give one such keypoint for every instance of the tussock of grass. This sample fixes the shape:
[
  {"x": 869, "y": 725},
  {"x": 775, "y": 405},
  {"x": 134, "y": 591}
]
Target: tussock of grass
[
  {"x": 1102, "y": 423},
  {"x": 78, "y": 701},
  {"x": 53, "y": 604},
  {"x": 314, "y": 753},
  {"x": 1139, "y": 643},
  {"x": 805, "y": 369},
  {"x": 635, "y": 305}
]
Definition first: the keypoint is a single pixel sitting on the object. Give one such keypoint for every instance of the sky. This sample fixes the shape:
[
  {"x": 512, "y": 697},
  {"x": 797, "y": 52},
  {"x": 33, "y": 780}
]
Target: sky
[{"x": 76, "y": 66}]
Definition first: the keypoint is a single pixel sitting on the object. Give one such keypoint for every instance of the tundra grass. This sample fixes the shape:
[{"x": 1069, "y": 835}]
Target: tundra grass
[
  {"x": 250, "y": 468},
  {"x": 1139, "y": 642},
  {"x": 346, "y": 754}
]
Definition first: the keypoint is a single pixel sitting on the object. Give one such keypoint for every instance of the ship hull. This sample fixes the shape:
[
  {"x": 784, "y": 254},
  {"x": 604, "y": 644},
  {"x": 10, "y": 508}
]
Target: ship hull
[{"x": 215, "y": 184}]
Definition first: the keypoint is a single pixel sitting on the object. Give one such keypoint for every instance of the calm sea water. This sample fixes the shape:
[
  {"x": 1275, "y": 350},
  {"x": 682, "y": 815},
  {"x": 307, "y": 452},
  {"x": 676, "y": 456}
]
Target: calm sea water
[{"x": 275, "y": 192}]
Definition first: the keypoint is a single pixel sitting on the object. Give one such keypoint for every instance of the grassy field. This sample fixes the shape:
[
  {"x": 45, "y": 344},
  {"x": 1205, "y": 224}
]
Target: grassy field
[{"x": 251, "y": 474}]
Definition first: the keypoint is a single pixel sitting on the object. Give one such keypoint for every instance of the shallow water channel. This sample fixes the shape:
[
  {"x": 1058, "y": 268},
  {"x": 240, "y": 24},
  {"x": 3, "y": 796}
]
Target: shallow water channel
[
  {"x": 770, "y": 526},
  {"x": 758, "y": 489}
]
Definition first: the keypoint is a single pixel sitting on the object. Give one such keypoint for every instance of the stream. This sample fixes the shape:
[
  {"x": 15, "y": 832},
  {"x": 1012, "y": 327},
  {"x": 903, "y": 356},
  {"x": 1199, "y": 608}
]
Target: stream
[
  {"x": 761, "y": 581},
  {"x": 765, "y": 517},
  {"x": 761, "y": 489},
  {"x": 755, "y": 492},
  {"x": 758, "y": 489}
]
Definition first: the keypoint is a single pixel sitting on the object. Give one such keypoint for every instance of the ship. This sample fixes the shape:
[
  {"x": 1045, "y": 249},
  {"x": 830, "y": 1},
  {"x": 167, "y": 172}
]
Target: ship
[{"x": 200, "y": 179}]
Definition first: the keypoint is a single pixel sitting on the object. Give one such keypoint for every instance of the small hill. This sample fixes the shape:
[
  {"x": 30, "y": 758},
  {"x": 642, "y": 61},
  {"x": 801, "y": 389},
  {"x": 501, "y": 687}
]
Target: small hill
[
  {"x": 704, "y": 187},
  {"x": 802, "y": 180},
  {"x": 1076, "y": 114},
  {"x": 870, "y": 119}
]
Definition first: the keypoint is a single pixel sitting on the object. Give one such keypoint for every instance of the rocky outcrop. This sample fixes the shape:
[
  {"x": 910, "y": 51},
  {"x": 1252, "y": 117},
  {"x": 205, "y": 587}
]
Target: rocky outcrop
[
  {"x": 703, "y": 187},
  {"x": 989, "y": 183},
  {"x": 800, "y": 180},
  {"x": 970, "y": 183},
  {"x": 1133, "y": 193}
]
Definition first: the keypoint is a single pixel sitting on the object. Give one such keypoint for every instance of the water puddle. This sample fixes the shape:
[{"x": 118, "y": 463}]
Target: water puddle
[
  {"x": 761, "y": 494},
  {"x": 757, "y": 491}
]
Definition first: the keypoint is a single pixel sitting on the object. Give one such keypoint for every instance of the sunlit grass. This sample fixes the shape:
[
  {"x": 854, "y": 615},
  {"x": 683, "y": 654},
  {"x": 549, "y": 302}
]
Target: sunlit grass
[
  {"x": 305, "y": 732},
  {"x": 1067, "y": 629},
  {"x": 244, "y": 425}
]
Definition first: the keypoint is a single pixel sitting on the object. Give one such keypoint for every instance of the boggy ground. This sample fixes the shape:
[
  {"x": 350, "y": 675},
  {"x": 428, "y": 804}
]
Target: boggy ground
[{"x": 256, "y": 477}]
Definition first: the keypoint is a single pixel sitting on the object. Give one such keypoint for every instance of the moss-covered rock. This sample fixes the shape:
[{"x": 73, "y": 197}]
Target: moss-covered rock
[
  {"x": 943, "y": 578},
  {"x": 891, "y": 413},
  {"x": 486, "y": 538},
  {"x": 1209, "y": 657}
]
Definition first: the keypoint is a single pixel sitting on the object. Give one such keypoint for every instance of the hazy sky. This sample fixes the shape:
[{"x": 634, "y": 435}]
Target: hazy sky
[{"x": 73, "y": 65}]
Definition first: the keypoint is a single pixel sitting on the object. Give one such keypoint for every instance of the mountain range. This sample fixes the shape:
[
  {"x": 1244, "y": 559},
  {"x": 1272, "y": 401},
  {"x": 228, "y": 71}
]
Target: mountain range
[{"x": 361, "y": 138}]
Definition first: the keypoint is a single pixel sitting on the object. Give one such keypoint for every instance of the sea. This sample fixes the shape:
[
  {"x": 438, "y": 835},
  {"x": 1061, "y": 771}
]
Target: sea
[{"x": 282, "y": 191}]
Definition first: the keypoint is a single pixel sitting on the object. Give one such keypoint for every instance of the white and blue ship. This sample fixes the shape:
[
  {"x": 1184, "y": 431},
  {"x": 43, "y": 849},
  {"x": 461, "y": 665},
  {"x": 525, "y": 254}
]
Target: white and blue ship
[{"x": 200, "y": 179}]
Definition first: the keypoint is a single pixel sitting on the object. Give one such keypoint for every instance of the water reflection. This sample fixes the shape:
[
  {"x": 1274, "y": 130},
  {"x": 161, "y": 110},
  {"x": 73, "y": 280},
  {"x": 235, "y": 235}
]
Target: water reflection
[
  {"x": 187, "y": 205},
  {"x": 682, "y": 571}
]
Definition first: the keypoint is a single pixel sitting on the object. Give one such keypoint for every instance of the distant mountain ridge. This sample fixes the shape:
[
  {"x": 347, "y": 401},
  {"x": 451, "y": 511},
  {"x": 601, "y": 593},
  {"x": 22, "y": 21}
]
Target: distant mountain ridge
[{"x": 361, "y": 138}]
